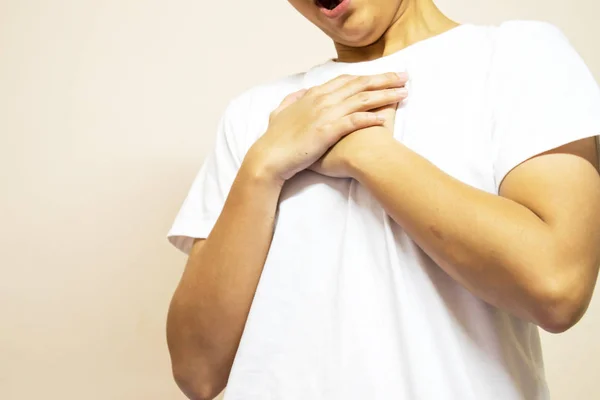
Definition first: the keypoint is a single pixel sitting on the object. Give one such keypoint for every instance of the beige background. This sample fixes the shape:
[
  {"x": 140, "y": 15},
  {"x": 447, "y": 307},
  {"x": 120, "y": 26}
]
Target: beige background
[{"x": 107, "y": 109}]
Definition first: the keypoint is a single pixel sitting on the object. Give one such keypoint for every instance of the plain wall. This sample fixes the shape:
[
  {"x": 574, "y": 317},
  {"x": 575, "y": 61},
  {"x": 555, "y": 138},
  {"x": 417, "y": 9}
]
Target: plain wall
[{"x": 107, "y": 109}]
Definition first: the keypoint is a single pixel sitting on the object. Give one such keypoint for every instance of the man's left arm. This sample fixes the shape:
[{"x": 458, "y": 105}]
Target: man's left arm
[{"x": 533, "y": 250}]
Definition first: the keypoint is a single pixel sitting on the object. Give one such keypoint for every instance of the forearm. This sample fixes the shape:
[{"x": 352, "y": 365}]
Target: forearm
[
  {"x": 211, "y": 304},
  {"x": 496, "y": 248}
]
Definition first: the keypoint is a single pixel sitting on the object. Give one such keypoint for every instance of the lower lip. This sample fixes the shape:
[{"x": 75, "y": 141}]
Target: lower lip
[{"x": 338, "y": 11}]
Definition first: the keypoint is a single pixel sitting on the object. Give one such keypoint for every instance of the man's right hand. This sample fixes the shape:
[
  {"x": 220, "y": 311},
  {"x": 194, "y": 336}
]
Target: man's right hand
[{"x": 309, "y": 122}]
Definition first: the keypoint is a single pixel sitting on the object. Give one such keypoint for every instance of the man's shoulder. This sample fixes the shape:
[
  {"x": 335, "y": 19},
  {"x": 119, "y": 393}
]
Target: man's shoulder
[
  {"x": 247, "y": 114},
  {"x": 261, "y": 99}
]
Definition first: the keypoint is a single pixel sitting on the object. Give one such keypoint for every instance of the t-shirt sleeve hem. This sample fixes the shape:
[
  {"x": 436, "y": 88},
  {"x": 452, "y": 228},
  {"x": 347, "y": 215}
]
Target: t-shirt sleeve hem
[
  {"x": 184, "y": 232},
  {"x": 518, "y": 157}
]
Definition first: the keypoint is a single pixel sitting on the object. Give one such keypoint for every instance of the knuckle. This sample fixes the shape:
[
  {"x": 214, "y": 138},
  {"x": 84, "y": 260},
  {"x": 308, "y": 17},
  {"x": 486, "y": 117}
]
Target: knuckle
[
  {"x": 391, "y": 94},
  {"x": 312, "y": 92},
  {"x": 355, "y": 119},
  {"x": 364, "y": 81},
  {"x": 363, "y": 97},
  {"x": 321, "y": 102},
  {"x": 391, "y": 76}
]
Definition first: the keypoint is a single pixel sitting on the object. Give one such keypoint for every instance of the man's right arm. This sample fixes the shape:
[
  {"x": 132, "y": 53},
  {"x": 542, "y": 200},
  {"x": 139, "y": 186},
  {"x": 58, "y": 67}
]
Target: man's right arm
[{"x": 210, "y": 306}]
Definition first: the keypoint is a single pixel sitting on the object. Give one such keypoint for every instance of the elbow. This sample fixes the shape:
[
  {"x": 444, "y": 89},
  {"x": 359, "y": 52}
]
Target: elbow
[
  {"x": 193, "y": 373},
  {"x": 191, "y": 366},
  {"x": 559, "y": 305},
  {"x": 194, "y": 386}
]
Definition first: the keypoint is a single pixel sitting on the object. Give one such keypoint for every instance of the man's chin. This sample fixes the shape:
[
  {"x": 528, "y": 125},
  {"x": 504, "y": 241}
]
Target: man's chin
[{"x": 355, "y": 32}]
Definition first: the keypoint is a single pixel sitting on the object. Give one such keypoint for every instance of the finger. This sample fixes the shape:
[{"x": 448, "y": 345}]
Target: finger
[
  {"x": 352, "y": 123},
  {"x": 389, "y": 112},
  {"x": 369, "y": 101},
  {"x": 385, "y": 109},
  {"x": 389, "y": 80},
  {"x": 290, "y": 99}
]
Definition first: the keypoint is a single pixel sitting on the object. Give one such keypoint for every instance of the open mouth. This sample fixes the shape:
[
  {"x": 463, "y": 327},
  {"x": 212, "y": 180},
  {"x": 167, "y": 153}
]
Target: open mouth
[{"x": 328, "y": 4}]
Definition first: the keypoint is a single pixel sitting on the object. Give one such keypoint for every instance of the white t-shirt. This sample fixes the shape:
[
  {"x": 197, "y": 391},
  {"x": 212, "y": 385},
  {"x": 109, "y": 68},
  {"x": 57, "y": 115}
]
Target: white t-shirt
[{"x": 348, "y": 306}]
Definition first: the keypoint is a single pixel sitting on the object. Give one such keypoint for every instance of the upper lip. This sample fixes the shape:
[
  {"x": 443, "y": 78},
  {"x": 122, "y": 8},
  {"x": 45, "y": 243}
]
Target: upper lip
[{"x": 324, "y": 3}]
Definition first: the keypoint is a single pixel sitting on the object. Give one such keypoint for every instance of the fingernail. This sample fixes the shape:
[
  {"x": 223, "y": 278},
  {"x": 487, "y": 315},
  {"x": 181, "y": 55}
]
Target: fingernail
[
  {"x": 402, "y": 92},
  {"x": 381, "y": 117},
  {"x": 402, "y": 75}
]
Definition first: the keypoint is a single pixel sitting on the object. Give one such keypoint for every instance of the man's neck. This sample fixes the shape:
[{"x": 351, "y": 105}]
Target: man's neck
[{"x": 416, "y": 20}]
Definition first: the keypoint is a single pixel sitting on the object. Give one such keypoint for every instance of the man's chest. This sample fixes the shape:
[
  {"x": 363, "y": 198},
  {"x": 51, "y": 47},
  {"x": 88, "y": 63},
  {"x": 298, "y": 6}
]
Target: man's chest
[
  {"x": 447, "y": 117},
  {"x": 451, "y": 127}
]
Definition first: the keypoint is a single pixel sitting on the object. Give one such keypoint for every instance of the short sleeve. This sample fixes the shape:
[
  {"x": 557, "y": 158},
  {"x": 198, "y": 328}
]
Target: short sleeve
[
  {"x": 543, "y": 94},
  {"x": 210, "y": 188}
]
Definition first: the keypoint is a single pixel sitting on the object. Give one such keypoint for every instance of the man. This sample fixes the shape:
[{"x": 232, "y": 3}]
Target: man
[{"x": 399, "y": 225}]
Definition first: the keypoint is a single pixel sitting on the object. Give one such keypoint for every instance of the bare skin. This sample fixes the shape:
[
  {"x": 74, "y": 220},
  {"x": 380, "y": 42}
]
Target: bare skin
[
  {"x": 211, "y": 304},
  {"x": 540, "y": 209},
  {"x": 376, "y": 28},
  {"x": 539, "y": 240}
]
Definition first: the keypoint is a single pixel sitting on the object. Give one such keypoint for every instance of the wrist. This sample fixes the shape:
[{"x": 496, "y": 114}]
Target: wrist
[
  {"x": 256, "y": 167},
  {"x": 374, "y": 149}
]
